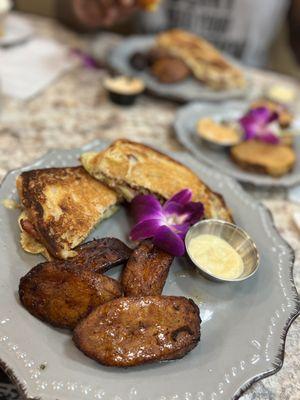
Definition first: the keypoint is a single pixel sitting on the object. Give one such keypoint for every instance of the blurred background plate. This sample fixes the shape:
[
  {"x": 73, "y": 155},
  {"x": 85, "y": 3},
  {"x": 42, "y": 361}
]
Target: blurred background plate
[
  {"x": 17, "y": 30},
  {"x": 185, "y": 128},
  {"x": 244, "y": 324},
  {"x": 188, "y": 90}
]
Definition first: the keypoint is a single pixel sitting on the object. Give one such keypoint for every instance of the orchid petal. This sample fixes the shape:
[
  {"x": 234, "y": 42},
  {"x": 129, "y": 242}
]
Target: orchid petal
[
  {"x": 168, "y": 241},
  {"x": 260, "y": 114},
  {"x": 256, "y": 124},
  {"x": 182, "y": 197},
  {"x": 269, "y": 137},
  {"x": 146, "y": 207},
  {"x": 250, "y": 129},
  {"x": 171, "y": 207},
  {"x": 167, "y": 224},
  {"x": 246, "y": 120},
  {"x": 181, "y": 229},
  {"x": 194, "y": 212},
  {"x": 145, "y": 229}
]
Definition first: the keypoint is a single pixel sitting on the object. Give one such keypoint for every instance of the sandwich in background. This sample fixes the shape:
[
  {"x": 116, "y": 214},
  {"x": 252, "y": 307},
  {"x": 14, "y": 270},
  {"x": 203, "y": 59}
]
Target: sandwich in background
[
  {"x": 206, "y": 62},
  {"x": 264, "y": 158}
]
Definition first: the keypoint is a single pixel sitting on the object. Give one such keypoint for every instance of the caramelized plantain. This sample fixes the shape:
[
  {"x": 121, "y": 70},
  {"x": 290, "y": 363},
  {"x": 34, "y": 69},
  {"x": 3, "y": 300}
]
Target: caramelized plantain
[
  {"x": 100, "y": 255},
  {"x": 62, "y": 294},
  {"x": 131, "y": 331},
  {"x": 146, "y": 271}
]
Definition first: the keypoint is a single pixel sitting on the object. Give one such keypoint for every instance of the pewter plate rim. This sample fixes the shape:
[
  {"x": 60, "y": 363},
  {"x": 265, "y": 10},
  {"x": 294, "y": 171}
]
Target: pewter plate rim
[
  {"x": 202, "y": 153},
  {"x": 189, "y": 90},
  {"x": 9, "y": 364}
]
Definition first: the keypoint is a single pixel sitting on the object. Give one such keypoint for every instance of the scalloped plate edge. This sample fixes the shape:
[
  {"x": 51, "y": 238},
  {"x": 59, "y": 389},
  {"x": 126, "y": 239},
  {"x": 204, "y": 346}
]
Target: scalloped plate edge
[{"x": 25, "y": 389}]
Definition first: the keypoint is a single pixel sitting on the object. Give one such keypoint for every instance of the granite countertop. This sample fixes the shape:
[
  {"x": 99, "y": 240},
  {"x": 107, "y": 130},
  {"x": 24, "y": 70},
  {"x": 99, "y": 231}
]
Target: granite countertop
[{"x": 74, "y": 110}]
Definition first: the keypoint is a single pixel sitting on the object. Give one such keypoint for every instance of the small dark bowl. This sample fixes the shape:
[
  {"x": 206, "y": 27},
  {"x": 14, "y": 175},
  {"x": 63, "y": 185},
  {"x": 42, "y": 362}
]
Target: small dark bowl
[
  {"x": 122, "y": 99},
  {"x": 123, "y": 96}
]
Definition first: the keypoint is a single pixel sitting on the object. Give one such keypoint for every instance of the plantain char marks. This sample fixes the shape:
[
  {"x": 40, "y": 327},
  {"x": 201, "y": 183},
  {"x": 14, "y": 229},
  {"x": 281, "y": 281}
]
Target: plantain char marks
[
  {"x": 100, "y": 255},
  {"x": 132, "y": 331}
]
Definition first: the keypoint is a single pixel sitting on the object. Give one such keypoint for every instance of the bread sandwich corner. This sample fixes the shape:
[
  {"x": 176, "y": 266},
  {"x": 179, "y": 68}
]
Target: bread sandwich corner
[{"x": 61, "y": 206}]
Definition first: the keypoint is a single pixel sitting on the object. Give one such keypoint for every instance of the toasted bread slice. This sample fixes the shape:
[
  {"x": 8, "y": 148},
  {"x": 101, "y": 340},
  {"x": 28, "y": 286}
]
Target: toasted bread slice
[
  {"x": 265, "y": 158},
  {"x": 206, "y": 62},
  {"x": 62, "y": 205},
  {"x": 132, "y": 168}
]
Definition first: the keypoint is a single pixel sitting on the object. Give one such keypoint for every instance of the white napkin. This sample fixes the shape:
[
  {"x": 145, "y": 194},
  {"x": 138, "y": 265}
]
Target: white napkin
[{"x": 27, "y": 69}]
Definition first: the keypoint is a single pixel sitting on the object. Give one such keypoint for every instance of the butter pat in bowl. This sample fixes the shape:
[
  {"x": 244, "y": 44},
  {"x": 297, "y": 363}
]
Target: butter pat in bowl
[
  {"x": 222, "y": 251},
  {"x": 218, "y": 135},
  {"x": 124, "y": 90}
]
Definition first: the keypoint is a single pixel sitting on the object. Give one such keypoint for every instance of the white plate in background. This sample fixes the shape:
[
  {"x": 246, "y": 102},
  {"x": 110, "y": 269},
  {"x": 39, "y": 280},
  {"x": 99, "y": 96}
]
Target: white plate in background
[
  {"x": 17, "y": 29},
  {"x": 188, "y": 90},
  {"x": 185, "y": 128}
]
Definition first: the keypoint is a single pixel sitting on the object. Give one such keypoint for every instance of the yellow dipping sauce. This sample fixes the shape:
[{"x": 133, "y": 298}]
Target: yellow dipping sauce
[{"x": 216, "y": 256}]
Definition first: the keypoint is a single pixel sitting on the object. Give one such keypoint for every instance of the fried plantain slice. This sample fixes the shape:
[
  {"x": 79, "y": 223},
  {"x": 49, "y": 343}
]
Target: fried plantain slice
[
  {"x": 137, "y": 330},
  {"x": 62, "y": 294},
  {"x": 146, "y": 271},
  {"x": 100, "y": 255}
]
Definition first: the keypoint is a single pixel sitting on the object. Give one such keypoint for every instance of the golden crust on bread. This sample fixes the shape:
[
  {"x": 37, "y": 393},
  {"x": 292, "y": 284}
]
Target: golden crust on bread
[
  {"x": 132, "y": 168},
  {"x": 266, "y": 158},
  {"x": 206, "y": 62},
  {"x": 62, "y": 206}
]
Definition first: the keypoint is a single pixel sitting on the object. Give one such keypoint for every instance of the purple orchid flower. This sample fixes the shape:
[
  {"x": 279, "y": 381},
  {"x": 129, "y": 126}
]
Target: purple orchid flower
[
  {"x": 257, "y": 125},
  {"x": 167, "y": 224},
  {"x": 87, "y": 60}
]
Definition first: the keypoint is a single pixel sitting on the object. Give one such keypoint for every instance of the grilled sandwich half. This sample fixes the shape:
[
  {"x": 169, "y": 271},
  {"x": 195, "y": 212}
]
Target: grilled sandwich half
[
  {"x": 205, "y": 61},
  {"x": 60, "y": 208},
  {"x": 132, "y": 168}
]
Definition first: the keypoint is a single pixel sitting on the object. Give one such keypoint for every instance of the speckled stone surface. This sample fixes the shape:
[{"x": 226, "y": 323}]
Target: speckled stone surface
[{"x": 74, "y": 110}]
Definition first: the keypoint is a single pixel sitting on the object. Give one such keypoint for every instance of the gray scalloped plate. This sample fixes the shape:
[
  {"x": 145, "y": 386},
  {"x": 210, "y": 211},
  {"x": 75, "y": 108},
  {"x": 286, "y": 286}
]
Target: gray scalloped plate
[
  {"x": 243, "y": 330},
  {"x": 185, "y": 128},
  {"x": 188, "y": 90}
]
